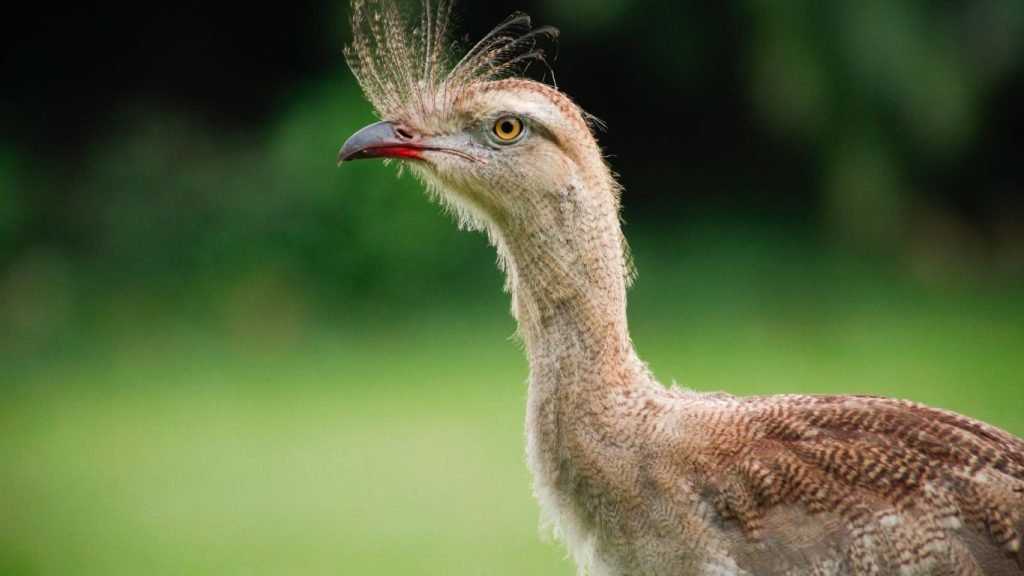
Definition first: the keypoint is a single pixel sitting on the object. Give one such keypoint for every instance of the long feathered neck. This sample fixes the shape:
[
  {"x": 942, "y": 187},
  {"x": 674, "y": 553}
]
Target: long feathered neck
[
  {"x": 567, "y": 262},
  {"x": 568, "y": 275}
]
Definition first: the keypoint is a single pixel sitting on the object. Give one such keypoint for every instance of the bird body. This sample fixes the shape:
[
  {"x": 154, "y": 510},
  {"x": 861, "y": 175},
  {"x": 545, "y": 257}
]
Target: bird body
[{"x": 638, "y": 479}]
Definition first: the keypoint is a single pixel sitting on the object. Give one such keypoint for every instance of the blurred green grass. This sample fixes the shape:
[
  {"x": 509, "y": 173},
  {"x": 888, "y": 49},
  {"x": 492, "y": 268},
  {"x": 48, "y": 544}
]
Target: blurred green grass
[
  {"x": 366, "y": 456},
  {"x": 387, "y": 444}
]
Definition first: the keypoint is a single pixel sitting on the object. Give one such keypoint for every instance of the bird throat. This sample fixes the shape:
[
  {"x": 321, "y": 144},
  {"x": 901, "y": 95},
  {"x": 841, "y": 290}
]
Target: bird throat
[{"x": 566, "y": 272}]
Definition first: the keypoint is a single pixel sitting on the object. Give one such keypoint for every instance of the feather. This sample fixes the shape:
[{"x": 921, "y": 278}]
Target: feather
[{"x": 410, "y": 74}]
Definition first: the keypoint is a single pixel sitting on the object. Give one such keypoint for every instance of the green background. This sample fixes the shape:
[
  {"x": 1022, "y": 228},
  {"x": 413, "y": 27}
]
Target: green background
[{"x": 221, "y": 354}]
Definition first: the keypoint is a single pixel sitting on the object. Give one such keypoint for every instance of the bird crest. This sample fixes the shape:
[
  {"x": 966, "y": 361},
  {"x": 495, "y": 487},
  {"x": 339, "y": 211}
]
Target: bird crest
[{"x": 410, "y": 68}]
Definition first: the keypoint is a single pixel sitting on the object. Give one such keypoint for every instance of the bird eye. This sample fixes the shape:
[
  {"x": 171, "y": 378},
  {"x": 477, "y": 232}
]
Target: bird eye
[{"x": 508, "y": 128}]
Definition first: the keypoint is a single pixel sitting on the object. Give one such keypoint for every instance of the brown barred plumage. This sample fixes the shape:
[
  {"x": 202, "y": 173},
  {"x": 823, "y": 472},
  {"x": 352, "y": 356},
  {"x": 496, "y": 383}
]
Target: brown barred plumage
[{"x": 639, "y": 479}]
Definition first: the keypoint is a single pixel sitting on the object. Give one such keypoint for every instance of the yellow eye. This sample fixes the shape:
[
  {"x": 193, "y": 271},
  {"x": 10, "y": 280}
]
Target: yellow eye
[{"x": 508, "y": 128}]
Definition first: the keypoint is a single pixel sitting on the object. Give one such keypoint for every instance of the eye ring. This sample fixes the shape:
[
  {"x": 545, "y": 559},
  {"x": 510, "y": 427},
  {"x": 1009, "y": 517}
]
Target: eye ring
[{"x": 508, "y": 129}]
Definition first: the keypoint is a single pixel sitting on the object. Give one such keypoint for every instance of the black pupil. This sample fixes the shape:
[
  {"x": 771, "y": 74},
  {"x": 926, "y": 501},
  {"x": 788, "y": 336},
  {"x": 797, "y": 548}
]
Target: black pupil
[{"x": 507, "y": 127}]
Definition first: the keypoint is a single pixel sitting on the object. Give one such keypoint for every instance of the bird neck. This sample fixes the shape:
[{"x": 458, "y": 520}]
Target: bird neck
[{"x": 567, "y": 273}]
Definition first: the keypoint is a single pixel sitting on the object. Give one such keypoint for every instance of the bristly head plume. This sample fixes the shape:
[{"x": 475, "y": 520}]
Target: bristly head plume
[{"x": 410, "y": 73}]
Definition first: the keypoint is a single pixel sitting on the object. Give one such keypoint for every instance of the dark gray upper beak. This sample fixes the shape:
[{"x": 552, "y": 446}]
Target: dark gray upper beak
[{"x": 381, "y": 140}]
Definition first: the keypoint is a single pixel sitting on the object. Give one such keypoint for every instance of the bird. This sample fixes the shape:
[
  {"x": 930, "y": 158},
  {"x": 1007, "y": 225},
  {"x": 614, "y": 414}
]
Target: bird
[{"x": 637, "y": 478}]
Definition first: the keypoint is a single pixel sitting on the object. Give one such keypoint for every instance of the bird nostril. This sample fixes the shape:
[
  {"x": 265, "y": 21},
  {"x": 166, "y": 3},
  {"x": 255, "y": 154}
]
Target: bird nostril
[{"x": 404, "y": 133}]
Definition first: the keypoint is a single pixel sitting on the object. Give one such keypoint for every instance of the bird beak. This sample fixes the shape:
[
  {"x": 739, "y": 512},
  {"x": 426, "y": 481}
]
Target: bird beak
[{"x": 381, "y": 140}]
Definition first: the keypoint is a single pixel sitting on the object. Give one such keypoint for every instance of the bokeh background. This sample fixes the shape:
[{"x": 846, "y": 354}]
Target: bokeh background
[{"x": 221, "y": 354}]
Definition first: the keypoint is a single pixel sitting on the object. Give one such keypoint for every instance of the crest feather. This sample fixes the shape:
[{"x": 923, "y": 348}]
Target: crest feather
[{"x": 409, "y": 71}]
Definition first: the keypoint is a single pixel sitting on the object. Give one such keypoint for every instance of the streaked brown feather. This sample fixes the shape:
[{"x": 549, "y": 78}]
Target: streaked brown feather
[{"x": 893, "y": 483}]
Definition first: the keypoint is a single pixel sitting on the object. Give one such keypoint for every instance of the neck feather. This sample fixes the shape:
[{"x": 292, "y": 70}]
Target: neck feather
[{"x": 567, "y": 274}]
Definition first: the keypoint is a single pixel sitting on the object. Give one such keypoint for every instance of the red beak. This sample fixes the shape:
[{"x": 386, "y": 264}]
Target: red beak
[{"x": 381, "y": 140}]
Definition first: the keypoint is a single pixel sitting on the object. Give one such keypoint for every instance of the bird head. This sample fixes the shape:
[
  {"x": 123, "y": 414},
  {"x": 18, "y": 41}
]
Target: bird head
[{"x": 496, "y": 147}]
